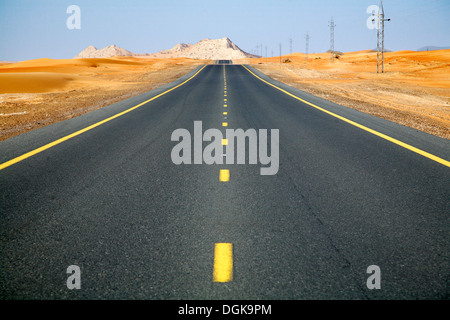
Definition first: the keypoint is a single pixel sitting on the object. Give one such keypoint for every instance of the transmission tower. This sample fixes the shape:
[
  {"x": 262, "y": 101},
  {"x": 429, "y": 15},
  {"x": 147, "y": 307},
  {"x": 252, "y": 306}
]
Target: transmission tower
[
  {"x": 380, "y": 34},
  {"x": 332, "y": 26},
  {"x": 280, "y": 53},
  {"x": 290, "y": 47},
  {"x": 307, "y": 46}
]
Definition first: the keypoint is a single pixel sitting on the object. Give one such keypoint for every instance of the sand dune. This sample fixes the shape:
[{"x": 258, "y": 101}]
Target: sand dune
[
  {"x": 39, "y": 92},
  {"x": 28, "y": 82},
  {"x": 56, "y": 75}
]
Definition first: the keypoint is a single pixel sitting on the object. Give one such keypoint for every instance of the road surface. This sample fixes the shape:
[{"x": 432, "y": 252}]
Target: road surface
[{"x": 101, "y": 192}]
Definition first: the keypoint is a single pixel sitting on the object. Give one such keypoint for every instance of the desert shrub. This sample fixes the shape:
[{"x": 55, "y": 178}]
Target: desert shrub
[{"x": 336, "y": 53}]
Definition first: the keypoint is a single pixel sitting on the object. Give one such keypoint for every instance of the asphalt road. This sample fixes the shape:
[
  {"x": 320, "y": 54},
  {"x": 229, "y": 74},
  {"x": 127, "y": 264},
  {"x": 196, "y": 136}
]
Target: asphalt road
[{"x": 111, "y": 201}]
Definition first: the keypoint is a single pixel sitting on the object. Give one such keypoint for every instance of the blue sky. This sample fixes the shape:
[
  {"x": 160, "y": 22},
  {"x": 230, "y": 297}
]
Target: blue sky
[{"x": 31, "y": 29}]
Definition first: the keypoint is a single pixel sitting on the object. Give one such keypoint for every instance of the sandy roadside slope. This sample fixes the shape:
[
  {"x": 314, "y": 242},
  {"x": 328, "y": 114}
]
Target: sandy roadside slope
[
  {"x": 40, "y": 92},
  {"x": 414, "y": 91}
]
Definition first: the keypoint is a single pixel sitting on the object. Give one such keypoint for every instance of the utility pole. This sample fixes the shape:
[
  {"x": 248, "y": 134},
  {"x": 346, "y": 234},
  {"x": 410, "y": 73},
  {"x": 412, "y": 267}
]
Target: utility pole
[
  {"x": 332, "y": 26},
  {"x": 280, "y": 53},
  {"x": 290, "y": 47},
  {"x": 380, "y": 47},
  {"x": 307, "y": 46}
]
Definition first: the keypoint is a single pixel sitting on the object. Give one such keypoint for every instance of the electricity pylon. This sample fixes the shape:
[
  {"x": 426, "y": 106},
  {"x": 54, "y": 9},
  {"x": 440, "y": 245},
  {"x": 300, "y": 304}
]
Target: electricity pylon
[
  {"x": 307, "y": 46},
  {"x": 332, "y": 25},
  {"x": 380, "y": 34}
]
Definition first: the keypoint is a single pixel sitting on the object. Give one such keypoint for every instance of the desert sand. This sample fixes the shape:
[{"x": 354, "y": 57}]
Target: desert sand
[
  {"x": 40, "y": 92},
  {"x": 414, "y": 90}
]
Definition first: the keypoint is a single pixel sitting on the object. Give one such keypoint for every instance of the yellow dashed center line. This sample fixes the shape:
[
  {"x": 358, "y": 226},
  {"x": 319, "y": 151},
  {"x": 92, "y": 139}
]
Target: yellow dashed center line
[
  {"x": 223, "y": 252},
  {"x": 223, "y": 262},
  {"x": 224, "y": 175}
]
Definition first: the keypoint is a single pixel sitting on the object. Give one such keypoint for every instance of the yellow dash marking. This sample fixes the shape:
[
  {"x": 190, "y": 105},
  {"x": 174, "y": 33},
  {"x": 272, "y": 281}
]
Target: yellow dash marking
[
  {"x": 224, "y": 142},
  {"x": 225, "y": 113},
  {"x": 224, "y": 124},
  {"x": 225, "y": 105},
  {"x": 224, "y": 175},
  {"x": 223, "y": 262}
]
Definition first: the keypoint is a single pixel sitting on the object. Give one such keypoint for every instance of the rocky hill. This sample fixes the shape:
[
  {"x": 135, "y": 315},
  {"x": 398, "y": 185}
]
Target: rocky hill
[{"x": 209, "y": 49}]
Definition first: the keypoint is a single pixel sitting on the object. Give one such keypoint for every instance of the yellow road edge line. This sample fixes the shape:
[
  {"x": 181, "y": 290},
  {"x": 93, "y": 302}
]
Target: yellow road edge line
[
  {"x": 379, "y": 134},
  {"x": 56, "y": 142},
  {"x": 223, "y": 262}
]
